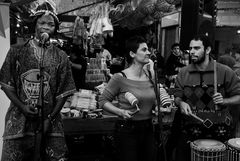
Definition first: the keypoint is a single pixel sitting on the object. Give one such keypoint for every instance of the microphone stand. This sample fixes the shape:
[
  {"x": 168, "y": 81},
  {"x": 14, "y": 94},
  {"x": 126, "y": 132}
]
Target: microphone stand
[
  {"x": 39, "y": 151},
  {"x": 159, "y": 112}
]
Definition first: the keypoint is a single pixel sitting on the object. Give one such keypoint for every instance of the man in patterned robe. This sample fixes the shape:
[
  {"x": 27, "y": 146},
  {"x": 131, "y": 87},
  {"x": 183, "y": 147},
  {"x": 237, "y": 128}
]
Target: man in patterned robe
[{"x": 20, "y": 80}]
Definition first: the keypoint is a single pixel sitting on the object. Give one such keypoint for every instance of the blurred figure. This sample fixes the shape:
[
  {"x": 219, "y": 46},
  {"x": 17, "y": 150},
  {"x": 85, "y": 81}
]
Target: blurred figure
[
  {"x": 104, "y": 53},
  {"x": 79, "y": 66},
  {"x": 227, "y": 60},
  {"x": 236, "y": 112},
  {"x": 236, "y": 67},
  {"x": 117, "y": 64},
  {"x": 173, "y": 64},
  {"x": 91, "y": 52}
]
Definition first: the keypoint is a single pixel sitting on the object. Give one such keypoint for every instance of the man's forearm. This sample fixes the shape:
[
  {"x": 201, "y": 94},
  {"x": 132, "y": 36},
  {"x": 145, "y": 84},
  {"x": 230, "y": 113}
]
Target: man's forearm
[
  {"x": 234, "y": 100},
  {"x": 77, "y": 66},
  {"x": 59, "y": 104},
  {"x": 13, "y": 97}
]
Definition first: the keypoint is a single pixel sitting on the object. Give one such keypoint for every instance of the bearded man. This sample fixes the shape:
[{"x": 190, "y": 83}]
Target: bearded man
[{"x": 195, "y": 95}]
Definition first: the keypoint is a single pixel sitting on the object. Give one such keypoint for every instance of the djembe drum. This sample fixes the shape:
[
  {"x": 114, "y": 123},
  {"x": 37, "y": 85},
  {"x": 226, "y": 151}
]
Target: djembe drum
[
  {"x": 207, "y": 150},
  {"x": 233, "y": 149}
]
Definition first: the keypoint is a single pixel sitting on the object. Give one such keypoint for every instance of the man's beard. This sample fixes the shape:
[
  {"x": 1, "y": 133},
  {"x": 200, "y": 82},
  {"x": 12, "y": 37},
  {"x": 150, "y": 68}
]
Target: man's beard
[{"x": 200, "y": 59}]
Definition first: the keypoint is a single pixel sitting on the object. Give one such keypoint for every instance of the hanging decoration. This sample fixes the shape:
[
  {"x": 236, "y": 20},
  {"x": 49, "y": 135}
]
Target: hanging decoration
[
  {"x": 147, "y": 7},
  {"x": 163, "y": 6},
  {"x": 20, "y": 2},
  {"x": 136, "y": 13},
  {"x": 80, "y": 33},
  {"x": 107, "y": 27},
  {"x": 99, "y": 22}
]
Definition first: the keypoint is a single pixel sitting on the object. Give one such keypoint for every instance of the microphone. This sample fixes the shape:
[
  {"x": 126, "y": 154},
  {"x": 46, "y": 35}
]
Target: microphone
[
  {"x": 43, "y": 38},
  {"x": 132, "y": 100}
]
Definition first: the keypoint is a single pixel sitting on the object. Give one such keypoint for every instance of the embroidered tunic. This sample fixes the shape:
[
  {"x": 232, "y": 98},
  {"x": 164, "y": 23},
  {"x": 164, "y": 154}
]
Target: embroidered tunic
[{"x": 20, "y": 73}]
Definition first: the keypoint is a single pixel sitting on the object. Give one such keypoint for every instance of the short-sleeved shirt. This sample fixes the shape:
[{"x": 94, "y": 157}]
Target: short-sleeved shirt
[
  {"x": 197, "y": 87},
  {"x": 20, "y": 73}
]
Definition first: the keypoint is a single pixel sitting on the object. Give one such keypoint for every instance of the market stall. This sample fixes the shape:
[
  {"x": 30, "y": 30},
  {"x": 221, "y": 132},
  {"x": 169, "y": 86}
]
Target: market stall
[
  {"x": 87, "y": 127},
  {"x": 91, "y": 130},
  {"x": 89, "y": 27},
  {"x": 82, "y": 119}
]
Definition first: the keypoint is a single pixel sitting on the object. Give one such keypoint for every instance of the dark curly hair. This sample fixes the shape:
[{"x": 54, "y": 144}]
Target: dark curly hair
[
  {"x": 132, "y": 44},
  {"x": 205, "y": 40},
  {"x": 174, "y": 45}
]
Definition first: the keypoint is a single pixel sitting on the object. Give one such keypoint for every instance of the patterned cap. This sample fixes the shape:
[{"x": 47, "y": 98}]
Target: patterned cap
[{"x": 45, "y": 9}]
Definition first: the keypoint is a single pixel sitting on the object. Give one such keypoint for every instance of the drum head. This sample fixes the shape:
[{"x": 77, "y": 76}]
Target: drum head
[
  {"x": 208, "y": 144},
  {"x": 234, "y": 143}
]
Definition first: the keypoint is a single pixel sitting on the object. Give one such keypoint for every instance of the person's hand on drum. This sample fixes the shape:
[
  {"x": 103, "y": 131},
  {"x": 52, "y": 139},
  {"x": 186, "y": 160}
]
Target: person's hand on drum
[
  {"x": 185, "y": 108},
  {"x": 217, "y": 98}
]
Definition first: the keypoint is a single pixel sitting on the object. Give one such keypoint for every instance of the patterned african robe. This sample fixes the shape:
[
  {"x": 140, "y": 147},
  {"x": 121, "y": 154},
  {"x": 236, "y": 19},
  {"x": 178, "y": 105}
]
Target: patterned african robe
[{"x": 20, "y": 73}]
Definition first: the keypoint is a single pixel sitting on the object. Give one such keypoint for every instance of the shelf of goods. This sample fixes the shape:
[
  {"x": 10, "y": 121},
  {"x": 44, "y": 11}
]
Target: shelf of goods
[
  {"x": 96, "y": 72},
  {"x": 81, "y": 115}
]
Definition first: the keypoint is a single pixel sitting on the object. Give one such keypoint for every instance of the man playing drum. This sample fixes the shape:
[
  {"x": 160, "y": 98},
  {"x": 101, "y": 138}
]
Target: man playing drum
[{"x": 204, "y": 91}]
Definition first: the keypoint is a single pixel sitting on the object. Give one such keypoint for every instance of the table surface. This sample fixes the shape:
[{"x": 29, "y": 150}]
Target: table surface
[
  {"x": 80, "y": 126},
  {"x": 104, "y": 125}
]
